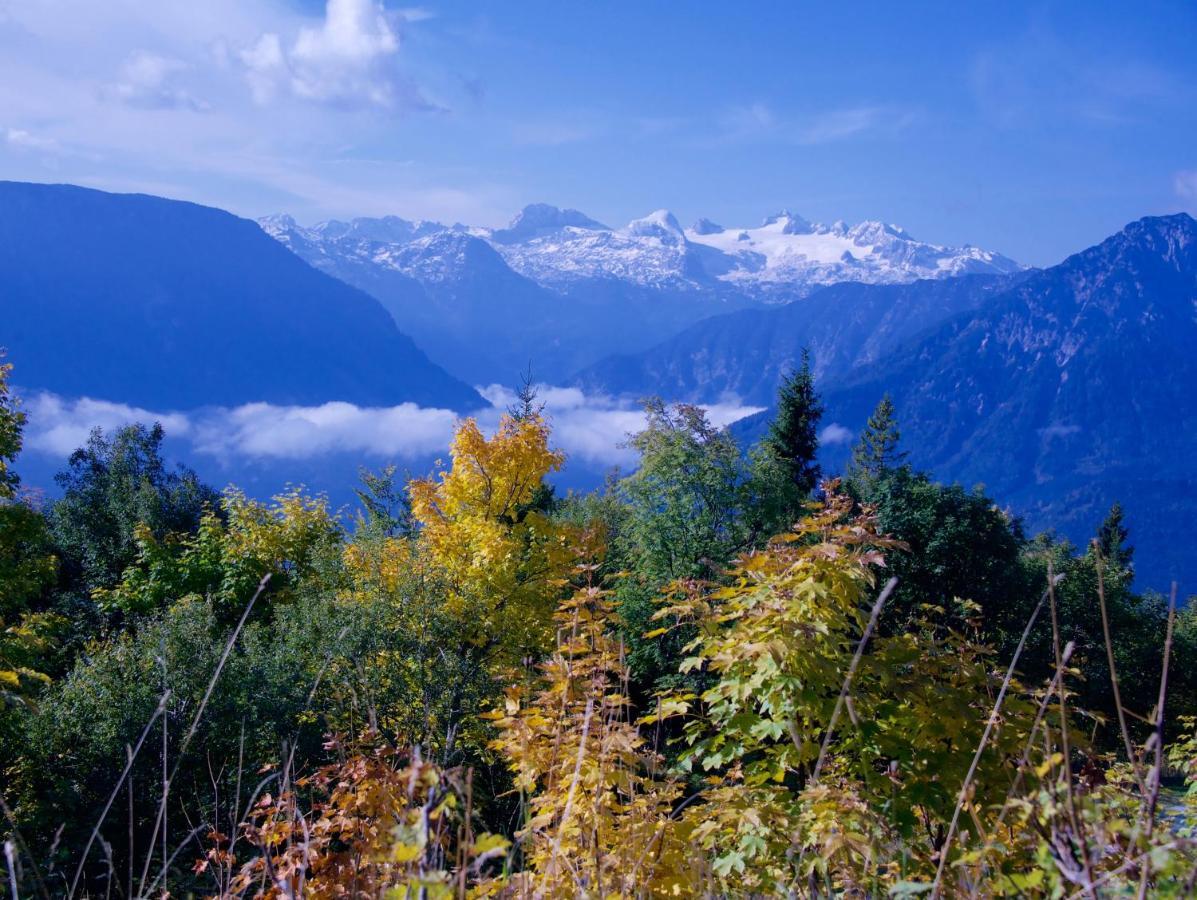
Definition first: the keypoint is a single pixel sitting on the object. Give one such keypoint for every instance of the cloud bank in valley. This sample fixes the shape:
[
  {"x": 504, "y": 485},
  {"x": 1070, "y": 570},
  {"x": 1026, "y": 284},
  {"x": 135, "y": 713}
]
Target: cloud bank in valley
[{"x": 591, "y": 429}]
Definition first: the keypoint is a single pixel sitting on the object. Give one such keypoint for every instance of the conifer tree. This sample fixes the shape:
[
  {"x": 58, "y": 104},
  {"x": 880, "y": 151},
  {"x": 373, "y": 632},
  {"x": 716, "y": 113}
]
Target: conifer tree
[
  {"x": 793, "y": 437},
  {"x": 877, "y": 451},
  {"x": 1111, "y": 539}
]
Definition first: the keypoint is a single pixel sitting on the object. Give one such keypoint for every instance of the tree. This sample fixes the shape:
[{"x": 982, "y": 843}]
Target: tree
[
  {"x": 386, "y": 504},
  {"x": 526, "y": 405},
  {"x": 227, "y": 556},
  {"x": 1112, "y": 540},
  {"x": 27, "y": 568},
  {"x": 775, "y": 644},
  {"x": 27, "y": 564},
  {"x": 501, "y": 557},
  {"x": 111, "y": 487},
  {"x": 877, "y": 451},
  {"x": 685, "y": 513},
  {"x": 794, "y": 432},
  {"x": 576, "y": 737},
  {"x": 958, "y": 544},
  {"x": 12, "y": 421}
]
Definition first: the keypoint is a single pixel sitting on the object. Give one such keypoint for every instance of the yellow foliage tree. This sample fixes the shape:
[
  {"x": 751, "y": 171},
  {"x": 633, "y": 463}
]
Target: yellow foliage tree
[
  {"x": 599, "y": 801},
  {"x": 503, "y": 560}
]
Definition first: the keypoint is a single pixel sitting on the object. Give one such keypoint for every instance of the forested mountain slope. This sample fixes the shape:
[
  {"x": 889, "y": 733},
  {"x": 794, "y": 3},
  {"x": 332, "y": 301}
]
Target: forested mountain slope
[
  {"x": 747, "y": 353},
  {"x": 170, "y": 305},
  {"x": 1071, "y": 390}
]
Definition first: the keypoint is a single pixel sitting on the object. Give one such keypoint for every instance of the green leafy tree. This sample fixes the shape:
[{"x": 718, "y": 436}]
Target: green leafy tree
[
  {"x": 684, "y": 514},
  {"x": 793, "y": 437},
  {"x": 684, "y": 498},
  {"x": 1137, "y": 626},
  {"x": 111, "y": 487},
  {"x": 291, "y": 539},
  {"x": 12, "y": 421},
  {"x": 959, "y": 544},
  {"x": 27, "y": 563},
  {"x": 877, "y": 450},
  {"x": 27, "y": 569}
]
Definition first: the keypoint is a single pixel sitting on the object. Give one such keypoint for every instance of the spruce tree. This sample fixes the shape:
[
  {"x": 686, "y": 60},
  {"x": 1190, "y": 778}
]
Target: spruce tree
[
  {"x": 1112, "y": 540},
  {"x": 526, "y": 405},
  {"x": 877, "y": 450},
  {"x": 793, "y": 437}
]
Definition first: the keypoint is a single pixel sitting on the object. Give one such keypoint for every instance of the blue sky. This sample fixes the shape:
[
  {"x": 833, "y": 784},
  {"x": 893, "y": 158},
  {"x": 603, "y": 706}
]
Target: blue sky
[{"x": 1030, "y": 129}]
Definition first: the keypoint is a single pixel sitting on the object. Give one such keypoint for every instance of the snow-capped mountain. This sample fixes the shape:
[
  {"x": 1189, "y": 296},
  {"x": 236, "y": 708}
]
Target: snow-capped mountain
[
  {"x": 783, "y": 258},
  {"x": 562, "y": 290}
]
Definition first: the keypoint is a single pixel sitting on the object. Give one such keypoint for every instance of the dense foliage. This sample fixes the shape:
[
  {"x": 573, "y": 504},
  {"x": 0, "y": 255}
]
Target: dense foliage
[{"x": 711, "y": 678}]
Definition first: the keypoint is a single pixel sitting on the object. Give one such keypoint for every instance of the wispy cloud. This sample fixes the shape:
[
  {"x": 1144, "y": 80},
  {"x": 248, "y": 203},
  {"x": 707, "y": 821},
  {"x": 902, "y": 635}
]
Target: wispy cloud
[
  {"x": 759, "y": 121},
  {"x": 1185, "y": 185},
  {"x": 553, "y": 134},
  {"x": 109, "y": 94},
  {"x": 1045, "y": 75},
  {"x": 151, "y": 81},
  {"x": 24, "y": 140},
  {"x": 747, "y": 121},
  {"x": 841, "y": 124}
]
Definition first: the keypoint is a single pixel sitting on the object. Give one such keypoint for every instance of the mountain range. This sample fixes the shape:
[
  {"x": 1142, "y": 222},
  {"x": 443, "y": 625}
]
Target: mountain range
[
  {"x": 1061, "y": 389},
  {"x": 169, "y": 305},
  {"x": 1071, "y": 389},
  {"x": 561, "y": 290},
  {"x": 746, "y": 354}
]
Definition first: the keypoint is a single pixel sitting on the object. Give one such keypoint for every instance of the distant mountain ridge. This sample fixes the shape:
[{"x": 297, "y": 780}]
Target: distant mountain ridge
[
  {"x": 169, "y": 305},
  {"x": 561, "y": 290},
  {"x": 785, "y": 254}
]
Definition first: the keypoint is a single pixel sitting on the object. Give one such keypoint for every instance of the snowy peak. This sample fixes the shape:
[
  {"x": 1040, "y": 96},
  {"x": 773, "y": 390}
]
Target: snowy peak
[
  {"x": 539, "y": 219},
  {"x": 785, "y": 222},
  {"x": 387, "y": 230},
  {"x": 661, "y": 224},
  {"x": 787, "y": 252},
  {"x": 785, "y": 257}
]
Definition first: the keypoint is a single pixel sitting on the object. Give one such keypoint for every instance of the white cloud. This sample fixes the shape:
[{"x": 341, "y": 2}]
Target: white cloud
[
  {"x": 348, "y": 59},
  {"x": 298, "y": 432},
  {"x": 58, "y": 427},
  {"x": 107, "y": 94},
  {"x": 266, "y": 67},
  {"x": 595, "y": 427},
  {"x": 592, "y": 429},
  {"x": 835, "y": 433}
]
